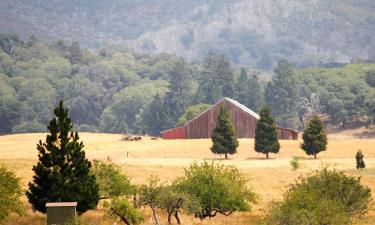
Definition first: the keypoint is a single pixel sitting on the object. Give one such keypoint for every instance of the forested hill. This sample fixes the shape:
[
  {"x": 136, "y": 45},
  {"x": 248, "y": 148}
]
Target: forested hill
[
  {"x": 115, "y": 90},
  {"x": 255, "y": 32}
]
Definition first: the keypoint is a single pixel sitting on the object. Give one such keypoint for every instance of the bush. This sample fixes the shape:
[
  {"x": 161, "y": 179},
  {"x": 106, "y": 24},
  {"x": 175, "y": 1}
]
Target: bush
[
  {"x": 217, "y": 189},
  {"x": 295, "y": 163},
  {"x": 110, "y": 180},
  {"x": 325, "y": 197},
  {"x": 122, "y": 210},
  {"x": 10, "y": 194}
]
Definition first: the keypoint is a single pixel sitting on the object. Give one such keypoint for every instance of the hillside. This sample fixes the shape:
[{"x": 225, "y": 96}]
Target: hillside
[{"x": 258, "y": 33}]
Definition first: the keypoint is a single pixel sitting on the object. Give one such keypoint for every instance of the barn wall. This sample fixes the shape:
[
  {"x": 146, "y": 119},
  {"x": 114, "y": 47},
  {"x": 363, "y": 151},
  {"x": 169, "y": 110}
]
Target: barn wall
[
  {"x": 202, "y": 126},
  {"x": 287, "y": 134},
  {"x": 176, "y": 133}
]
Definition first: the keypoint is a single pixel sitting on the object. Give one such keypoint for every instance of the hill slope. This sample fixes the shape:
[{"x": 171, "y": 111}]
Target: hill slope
[{"x": 256, "y": 32}]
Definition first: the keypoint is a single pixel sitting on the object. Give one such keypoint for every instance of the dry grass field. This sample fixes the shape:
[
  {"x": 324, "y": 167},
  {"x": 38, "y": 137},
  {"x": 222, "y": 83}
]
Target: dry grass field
[{"x": 168, "y": 158}]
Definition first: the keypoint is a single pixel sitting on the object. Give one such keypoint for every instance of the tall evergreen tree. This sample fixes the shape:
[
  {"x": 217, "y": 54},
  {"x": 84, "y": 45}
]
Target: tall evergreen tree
[
  {"x": 224, "y": 136},
  {"x": 63, "y": 172},
  {"x": 266, "y": 139},
  {"x": 216, "y": 79},
  {"x": 155, "y": 119},
  {"x": 314, "y": 137},
  {"x": 359, "y": 160},
  {"x": 249, "y": 91},
  {"x": 282, "y": 94},
  {"x": 180, "y": 91}
]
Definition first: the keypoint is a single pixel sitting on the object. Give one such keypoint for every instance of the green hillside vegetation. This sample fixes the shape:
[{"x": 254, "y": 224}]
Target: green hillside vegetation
[
  {"x": 116, "y": 90},
  {"x": 259, "y": 33}
]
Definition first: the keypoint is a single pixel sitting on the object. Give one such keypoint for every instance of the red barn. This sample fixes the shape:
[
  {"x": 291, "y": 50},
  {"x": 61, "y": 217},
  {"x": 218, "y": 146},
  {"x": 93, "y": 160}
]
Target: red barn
[{"x": 244, "y": 121}]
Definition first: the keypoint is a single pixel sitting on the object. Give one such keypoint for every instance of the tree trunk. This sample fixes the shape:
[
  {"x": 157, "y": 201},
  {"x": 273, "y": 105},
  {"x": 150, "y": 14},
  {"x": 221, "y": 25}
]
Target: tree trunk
[
  {"x": 154, "y": 214},
  {"x": 177, "y": 218},
  {"x": 123, "y": 218},
  {"x": 169, "y": 217},
  {"x": 267, "y": 155},
  {"x": 315, "y": 155},
  {"x": 226, "y": 155}
]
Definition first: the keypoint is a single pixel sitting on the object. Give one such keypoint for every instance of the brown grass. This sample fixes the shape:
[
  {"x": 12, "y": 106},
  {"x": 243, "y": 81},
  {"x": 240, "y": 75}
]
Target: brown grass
[{"x": 168, "y": 158}]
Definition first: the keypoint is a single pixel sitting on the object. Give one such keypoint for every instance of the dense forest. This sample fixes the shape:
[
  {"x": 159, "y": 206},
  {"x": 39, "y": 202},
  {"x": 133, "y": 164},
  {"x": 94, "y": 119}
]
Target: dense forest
[
  {"x": 117, "y": 90},
  {"x": 258, "y": 33}
]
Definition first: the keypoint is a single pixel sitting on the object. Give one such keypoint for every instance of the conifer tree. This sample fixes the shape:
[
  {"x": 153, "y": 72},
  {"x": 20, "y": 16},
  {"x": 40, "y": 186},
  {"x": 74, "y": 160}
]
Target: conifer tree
[
  {"x": 63, "y": 172},
  {"x": 314, "y": 137},
  {"x": 359, "y": 159},
  {"x": 223, "y": 136},
  {"x": 266, "y": 139}
]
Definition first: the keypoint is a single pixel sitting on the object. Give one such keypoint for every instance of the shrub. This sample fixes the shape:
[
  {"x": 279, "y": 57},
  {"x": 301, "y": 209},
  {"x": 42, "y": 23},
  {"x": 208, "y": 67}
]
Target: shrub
[
  {"x": 217, "y": 189},
  {"x": 10, "y": 194},
  {"x": 325, "y": 197},
  {"x": 295, "y": 163},
  {"x": 122, "y": 210}
]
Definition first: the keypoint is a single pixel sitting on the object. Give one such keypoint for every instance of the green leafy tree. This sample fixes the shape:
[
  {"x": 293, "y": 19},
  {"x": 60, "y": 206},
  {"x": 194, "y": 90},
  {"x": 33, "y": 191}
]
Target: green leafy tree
[
  {"x": 150, "y": 195},
  {"x": 324, "y": 197},
  {"x": 217, "y": 189},
  {"x": 10, "y": 194},
  {"x": 191, "y": 112},
  {"x": 63, "y": 172},
  {"x": 122, "y": 210},
  {"x": 282, "y": 94},
  {"x": 314, "y": 137},
  {"x": 266, "y": 140},
  {"x": 370, "y": 78},
  {"x": 359, "y": 160},
  {"x": 110, "y": 180},
  {"x": 223, "y": 136}
]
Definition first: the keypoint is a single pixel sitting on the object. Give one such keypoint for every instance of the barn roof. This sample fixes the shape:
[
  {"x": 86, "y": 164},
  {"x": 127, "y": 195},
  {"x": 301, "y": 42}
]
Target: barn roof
[{"x": 234, "y": 102}]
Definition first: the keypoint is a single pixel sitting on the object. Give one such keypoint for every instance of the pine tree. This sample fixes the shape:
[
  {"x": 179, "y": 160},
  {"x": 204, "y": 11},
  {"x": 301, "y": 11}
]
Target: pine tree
[
  {"x": 63, "y": 172},
  {"x": 223, "y": 136},
  {"x": 314, "y": 137},
  {"x": 266, "y": 139},
  {"x": 254, "y": 98},
  {"x": 156, "y": 117},
  {"x": 281, "y": 94},
  {"x": 359, "y": 159}
]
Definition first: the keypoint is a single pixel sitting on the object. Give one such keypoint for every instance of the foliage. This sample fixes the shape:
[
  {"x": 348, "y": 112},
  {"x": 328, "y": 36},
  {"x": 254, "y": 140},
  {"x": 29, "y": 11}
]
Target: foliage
[
  {"x": 314, "y": 137},
  {"x": 249, "y": 91},
  {"x": 150, "y": 195},
  {"x": 223, "y": 135},
  {"x": 217, "y": 189},
  {"x": 122, "y": 210},
  {"x": 191, "y": 112},
  {"x": 295, "y": 163},
  {"x": 110, "y": 180},
  {"x": 10, "y": 194},
  {"x": 359, "y": 160},
  {"x": 266, "y": 140},
  {"x": 324, "y": 197},
  {"x": 62, "y": 172},
  {"x": 282, "y": 94}
]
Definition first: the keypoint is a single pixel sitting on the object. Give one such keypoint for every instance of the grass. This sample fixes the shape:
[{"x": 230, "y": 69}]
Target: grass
[{"x": 168, "y": 158}]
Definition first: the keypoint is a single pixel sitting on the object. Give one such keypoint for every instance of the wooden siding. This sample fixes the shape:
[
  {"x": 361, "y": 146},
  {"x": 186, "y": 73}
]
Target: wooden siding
[
  {"x": 243, "y": 121},
  {"x": 176, "y": 133}
]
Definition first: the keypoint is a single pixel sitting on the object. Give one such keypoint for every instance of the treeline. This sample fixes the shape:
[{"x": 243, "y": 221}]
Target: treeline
[{"x": 116, "y": 90}]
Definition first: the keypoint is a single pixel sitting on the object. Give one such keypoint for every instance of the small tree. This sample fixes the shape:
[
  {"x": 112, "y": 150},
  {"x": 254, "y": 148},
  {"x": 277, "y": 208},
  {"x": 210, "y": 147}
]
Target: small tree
[
  {"x": 110, "y": 180},
  {"x": 121, "y": 209},
  {"x": 150, "y": 195},
  {"x": 223, "y": 136},
  {"x": 216, "y": 189},
  {"x": 266, "y": 140},
  {"x": 359, "y": 159},
  {"x": 63, "y": 172},
  {"x": 10, "y": 194},
  {"x": 314, "y": 137}
]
